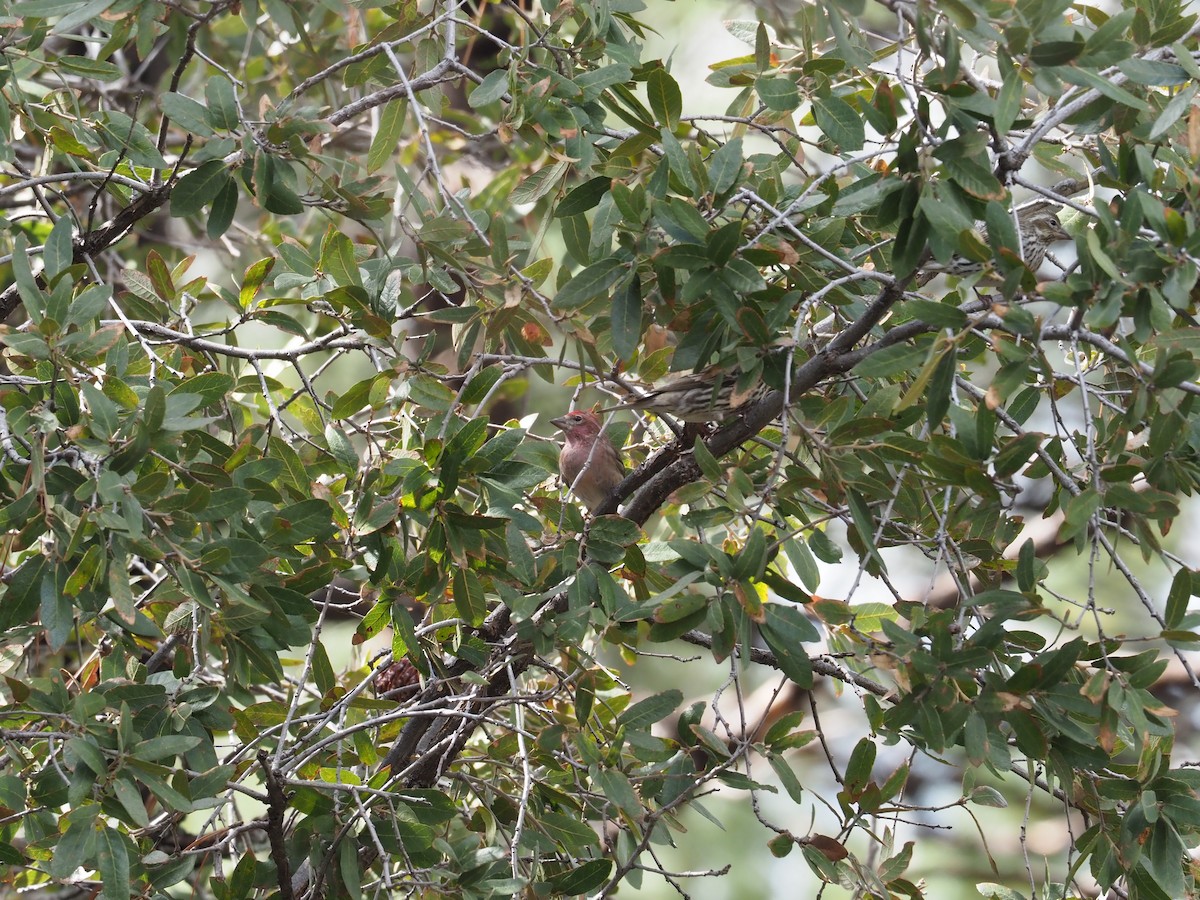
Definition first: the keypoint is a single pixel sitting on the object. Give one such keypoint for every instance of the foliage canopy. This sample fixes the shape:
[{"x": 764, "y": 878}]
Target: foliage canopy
[{"x": 282, "y": 281}]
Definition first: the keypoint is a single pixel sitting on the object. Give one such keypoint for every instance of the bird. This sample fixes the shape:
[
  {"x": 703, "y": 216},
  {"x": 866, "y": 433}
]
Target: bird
[
  {"x": 1040, "y": 228},
  {"x": 590, "y": 465},
  {"x": 710, "y": 395}
]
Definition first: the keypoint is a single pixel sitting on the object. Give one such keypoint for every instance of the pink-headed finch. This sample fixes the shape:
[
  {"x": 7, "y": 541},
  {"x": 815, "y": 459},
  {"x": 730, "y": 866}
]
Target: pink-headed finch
[{"x": 589, "y": 463}]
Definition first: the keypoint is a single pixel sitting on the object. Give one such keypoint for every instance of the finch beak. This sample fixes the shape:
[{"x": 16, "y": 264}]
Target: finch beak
[{"x": 560, "y": 423}]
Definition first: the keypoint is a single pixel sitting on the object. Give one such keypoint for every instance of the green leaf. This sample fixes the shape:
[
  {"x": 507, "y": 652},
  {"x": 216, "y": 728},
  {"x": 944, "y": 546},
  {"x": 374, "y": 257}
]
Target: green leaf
[
  {"x": 521, "y": 562},
  {"x": 77, "y": 846},
  {"x": 338, "y": 260},
  {"x": 626, "y": 319},
  {"x": 583, "y": 879},
  {"x": 1026, "y": 559},
  {"x": 616, "y": 530},
  {"x": 58, "y": 250},
  {"x": 469, "y": 597},
  {"x": 891, "y": 361},
  {"x": 686, "y": 256},
  {"x": 132, "y": 137},
  {"x": 653, "y": 709},
  {"x": 1178, "y": 598},
  {"x": 1091, "y": 79},
  {"x": 492, "y": 88},
  {"x": 222, "y": 103},
  {"x": 463, "y": 445},
  {"x": 299, "y": 523},
  {"x": 211, "y": 387},
  {"x": 31, "y": 297},
  {"x": 349, "y": 869},
  {"x": 683, "y": 216},
  {"x": 1173, "y": 112},
  {"x": 858, "y": 769},
  {"x": 779, "y": 93},
  {"x": 31, "y": 345},
  {"x": 590, "y": 283},
  {"x": 751, "y": 561},
  {"x": 975, "y": 738},
  {"x": 988, "y": 796},
  {"x": 677, "y": 162},
  {"x": 87, "y": 752},
  {"x": 68, "y": 142},
  {"x": 387, "y": 136},
  {"x": 81, "y": 14},
  {"x": 592, "y": 83},
  {"x": 742, "y": 276},
  {"x": 467, "y": 440},
  {"x": 939, "y": 315},
  {"x": 56, "y": 613},
  {"x": 126, "y": 792},
  {"x": 724, "y": 166},
  {"x": 118, "y": 583},
  {"x": 787, "y": 777},
  {"x": 1008, "y": 102},
  {"x": 241, "y": 883},
  {"x": 803, "y": 563},
  {"x": 972, "y": 176},
  {"x": 540, "y": 183},
  {"x": 112, "y": 861},
  {"x": 199, "y": 188},
  {"x": 224, "y": 206},
  {"x": 354, "y": 399},
  {"x": 1056, "y": 53},
  {"x": 666, "y": 100},
  {"x": 12, "y": 792},
  {"x": 583, "y": 197},
  {"x": 618, "y": 790},
  {"x": 404, "y": 638},
  {"x": 341, "y": 448},
  {"x": 570, "y": 832},
  {"x": 430, "y": 393},
  {"x": 1110, "y": 31},
  {"x": 187, "y": 113},
  {"x": 1079, "y": 512},
  {"x": 680, "y": 607},
  {"x": 1161, "y": 857},
  {"x": 46, "y": 9},
  {"x": 709, "y": 467},
  {"x": 253, "y": 280},
  {"x": 274, "y": 182},
  {"x": 840, "y": 122},
  {"x": 165, "y": 747},
  {"x": 785, "y": 629},
  {"x": 89, "y": 304},
  {"x": 710, "y": 740},
  {"x": 762, "y": 47},
  {"x": 1153, "y": 72}
]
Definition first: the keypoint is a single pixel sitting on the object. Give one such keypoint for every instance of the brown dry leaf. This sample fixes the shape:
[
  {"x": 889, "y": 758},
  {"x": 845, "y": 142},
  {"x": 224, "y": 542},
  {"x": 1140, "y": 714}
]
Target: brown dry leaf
[{"x": 831, "y": 849}]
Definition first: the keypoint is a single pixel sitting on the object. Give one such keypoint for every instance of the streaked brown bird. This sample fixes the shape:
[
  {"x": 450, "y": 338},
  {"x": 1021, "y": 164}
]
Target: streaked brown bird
[
  {"x": 1040, "y": 228},
  {"x": 589, "y": 463},
  {"x": 710, "y": 395}
]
